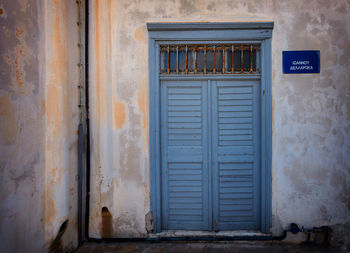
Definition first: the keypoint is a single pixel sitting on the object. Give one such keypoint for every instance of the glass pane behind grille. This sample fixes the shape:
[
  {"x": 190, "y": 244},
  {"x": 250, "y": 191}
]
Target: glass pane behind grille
[
  {"x": 237, "y": 60},
  {"x": 200, "y": 61},
  {"x": 210, "y": 59},
  {"x": 190, "y": 57},
  {"x": 172, "y": 61},
  {"x": 182, "y": 60}
]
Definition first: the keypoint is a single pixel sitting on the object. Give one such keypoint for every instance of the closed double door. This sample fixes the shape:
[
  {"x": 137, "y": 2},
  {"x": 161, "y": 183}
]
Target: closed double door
[{"x": 210, "y": 154}]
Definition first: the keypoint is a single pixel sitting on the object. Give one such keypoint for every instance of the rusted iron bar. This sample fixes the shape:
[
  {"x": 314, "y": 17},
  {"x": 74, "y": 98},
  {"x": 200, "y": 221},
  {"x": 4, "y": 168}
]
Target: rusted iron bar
[
  {"x": 195, "y": 59},
  {"x": 186, "y": 60},
  {"x": 192, "y": 60},
  {"x": 251, "y": 58},
  {"x": 205, "y": 59},
  {"x": 168, "y": 63},
  {"x": 241, "y": 58},
  {"x": 214, "y": 70},
  {"x": 177, "y": 59},
  {"x": 233, "y": 59},
  {"x": 223, "y": 59}
]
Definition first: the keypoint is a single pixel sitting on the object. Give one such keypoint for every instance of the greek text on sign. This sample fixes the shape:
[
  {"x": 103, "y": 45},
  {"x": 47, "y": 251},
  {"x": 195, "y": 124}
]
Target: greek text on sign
[{"x": 298, "y": 62}]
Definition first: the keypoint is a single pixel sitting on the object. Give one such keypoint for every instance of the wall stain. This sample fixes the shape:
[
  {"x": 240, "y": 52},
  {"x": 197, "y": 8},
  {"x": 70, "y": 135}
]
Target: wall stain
[
  {"x": 142, "y": 101},
  {"x": 129, "y": 160},
  {"x": 106, "y": 223},
  {"x": 298, "y": 181},
  {"x": 50, "y": 205},
  {"x": 24, "y": 5},
  {"x": 56, "y": 245},
  {"x": 119, "y": 114},
  {"x": 100, "y": 57},
  {"x": 22, "y": 133},
  {"x": 28, "y": 172},
  {"x": 60, "y": 114},
  {"x": 53, "y": 110},
  {"x": 188, "y": 7},
  {"x": 139, "y": 34},
  {"x": 127, "y": 220},
  {"x": 19, "y": 73},
  {"x": 2, "y": 12},
  {"x": 149, "y": 222},
  {"x": 19, "y": 32},
  {"x": 338, "y": 180},
  {"x": 7, "y": 59},
  {"x": 211, "y": 6},
  {"x": 8, "y": 123},
  {"x": 348, "y": 95}
]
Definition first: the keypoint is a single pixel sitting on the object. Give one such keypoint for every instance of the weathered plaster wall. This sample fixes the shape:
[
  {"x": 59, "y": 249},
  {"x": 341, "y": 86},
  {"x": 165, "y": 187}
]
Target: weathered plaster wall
[
  {"x": 38, "y": 123},
  {"x": 61, "y": 119},
  {"x": 22, "y": 157},
  {"x": 311, "y": 113}
]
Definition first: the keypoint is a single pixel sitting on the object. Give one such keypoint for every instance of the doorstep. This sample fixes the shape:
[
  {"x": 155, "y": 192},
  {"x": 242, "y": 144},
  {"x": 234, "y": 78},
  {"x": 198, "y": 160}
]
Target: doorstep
[{"x": 227, "y": 235}]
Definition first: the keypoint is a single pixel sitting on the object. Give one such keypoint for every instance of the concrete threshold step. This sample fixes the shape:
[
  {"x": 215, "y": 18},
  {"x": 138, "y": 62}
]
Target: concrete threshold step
[{"x": 210, "y": 235}]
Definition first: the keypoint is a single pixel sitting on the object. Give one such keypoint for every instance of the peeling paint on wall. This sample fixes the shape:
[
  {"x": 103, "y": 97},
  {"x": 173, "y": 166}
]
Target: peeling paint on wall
[
  {"x": 61, "y": 103},
  {"x": 38, "y": 105},
  {"x": 21, "y": 128}
]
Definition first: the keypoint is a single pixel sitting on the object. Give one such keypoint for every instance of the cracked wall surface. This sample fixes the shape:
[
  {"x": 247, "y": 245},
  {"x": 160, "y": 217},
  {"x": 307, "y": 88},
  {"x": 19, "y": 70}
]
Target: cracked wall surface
[{"x": 311, "y": 146}]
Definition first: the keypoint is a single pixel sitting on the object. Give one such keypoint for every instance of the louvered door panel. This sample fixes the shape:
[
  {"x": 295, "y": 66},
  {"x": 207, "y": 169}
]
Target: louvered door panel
[
  {"x": 235, "y": 149},
  {"x": 184, "y": 155}
]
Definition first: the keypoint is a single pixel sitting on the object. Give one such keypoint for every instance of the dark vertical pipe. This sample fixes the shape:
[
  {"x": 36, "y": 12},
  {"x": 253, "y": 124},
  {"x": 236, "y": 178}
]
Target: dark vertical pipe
[{"x": 87, "y": 196}]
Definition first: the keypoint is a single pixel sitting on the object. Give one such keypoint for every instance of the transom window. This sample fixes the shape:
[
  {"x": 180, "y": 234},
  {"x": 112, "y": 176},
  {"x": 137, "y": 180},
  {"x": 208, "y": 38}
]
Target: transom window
[{"x": 210, "y": 59}]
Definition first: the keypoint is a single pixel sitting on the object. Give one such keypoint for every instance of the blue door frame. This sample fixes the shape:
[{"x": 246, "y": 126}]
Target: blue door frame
[{"x": 167, "y": 33}]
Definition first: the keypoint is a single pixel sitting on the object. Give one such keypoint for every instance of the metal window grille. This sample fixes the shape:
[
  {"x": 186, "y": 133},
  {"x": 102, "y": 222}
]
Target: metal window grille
[{"x": 210, "y": 59}]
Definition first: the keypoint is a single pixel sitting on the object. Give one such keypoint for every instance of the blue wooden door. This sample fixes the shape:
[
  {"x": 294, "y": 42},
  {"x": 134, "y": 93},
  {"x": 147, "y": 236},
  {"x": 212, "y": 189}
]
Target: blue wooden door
[
  {"x": 235, "y": 155},
  {"x": 184, "y": 127},
  {"x": 210, "y": 153}
]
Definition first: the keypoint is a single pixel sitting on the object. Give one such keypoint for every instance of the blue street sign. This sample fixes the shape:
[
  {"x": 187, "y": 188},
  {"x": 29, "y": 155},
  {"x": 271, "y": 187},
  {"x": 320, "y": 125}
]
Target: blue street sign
[{"x": 298, "y": 62}]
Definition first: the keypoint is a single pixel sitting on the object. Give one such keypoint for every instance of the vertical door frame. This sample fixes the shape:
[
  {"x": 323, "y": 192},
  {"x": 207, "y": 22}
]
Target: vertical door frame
[{"x": 186, "y": 32}]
